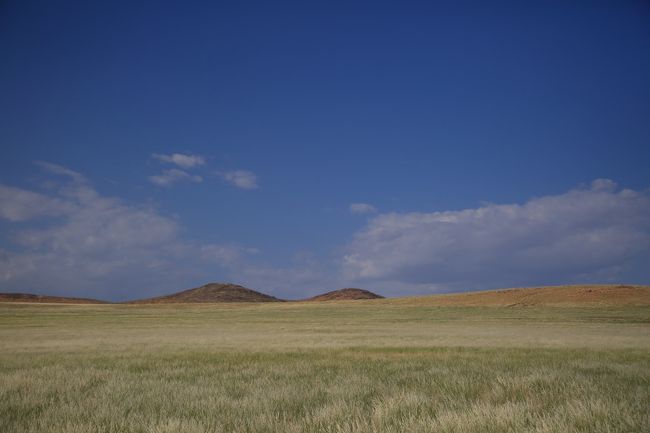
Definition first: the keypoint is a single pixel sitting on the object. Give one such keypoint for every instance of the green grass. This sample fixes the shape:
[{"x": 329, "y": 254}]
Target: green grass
[{"x": 334, "y": 367}]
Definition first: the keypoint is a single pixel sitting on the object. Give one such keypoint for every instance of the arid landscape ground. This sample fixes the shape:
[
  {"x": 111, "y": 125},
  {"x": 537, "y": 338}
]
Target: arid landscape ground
[
  {"x": 324, "y": 216},
  {"x": 560, "y": 359}
]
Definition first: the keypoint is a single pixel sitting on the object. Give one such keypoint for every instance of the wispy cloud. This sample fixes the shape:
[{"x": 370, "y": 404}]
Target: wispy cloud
[
  {"x": 172, "y": 176},
  {"x": 180, "y": 159},
  {"x": 21, "y": 205},
  {"x": 243, "y": 179},
  {"x": 597, "y": 232},
  {"x": 60, "y": 170},
  {"x": 72, "y": 239},
  {"x": 362, "y": 208}
]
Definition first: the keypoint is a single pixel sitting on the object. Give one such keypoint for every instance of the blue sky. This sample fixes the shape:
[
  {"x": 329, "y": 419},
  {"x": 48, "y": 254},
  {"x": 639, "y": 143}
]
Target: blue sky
[{"x": 403, "y": 147}]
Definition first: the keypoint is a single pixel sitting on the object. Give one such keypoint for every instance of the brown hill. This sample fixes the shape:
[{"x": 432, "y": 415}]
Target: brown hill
[
  {"x": 213, "y": 292},
  {"x": 345, "y": 295},
  {"x": 579, "y": 295},
  {"x": 28, "y": 297}
]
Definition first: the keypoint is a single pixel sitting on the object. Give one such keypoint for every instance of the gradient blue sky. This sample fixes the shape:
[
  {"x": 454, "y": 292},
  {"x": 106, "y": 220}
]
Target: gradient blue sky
[{"x": 403, "y": 147}]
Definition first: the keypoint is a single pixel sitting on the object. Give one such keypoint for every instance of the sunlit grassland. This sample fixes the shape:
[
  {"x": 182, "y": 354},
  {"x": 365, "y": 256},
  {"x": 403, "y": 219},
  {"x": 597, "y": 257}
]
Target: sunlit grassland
[{"x": 376, "y": 366}]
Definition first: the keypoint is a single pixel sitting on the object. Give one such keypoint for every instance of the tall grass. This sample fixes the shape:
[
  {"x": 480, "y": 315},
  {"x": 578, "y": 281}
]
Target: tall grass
[{"x": 352, "y": 367}]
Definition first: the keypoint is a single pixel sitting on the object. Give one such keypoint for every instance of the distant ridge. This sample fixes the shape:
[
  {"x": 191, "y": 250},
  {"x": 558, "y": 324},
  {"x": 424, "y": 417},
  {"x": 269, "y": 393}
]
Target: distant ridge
[
  {"x": 44, "y": 299},
  {"x": 595, "y": 295},
  {"x": 346, "y": 295},
  {"x": 211, "y": 293}
]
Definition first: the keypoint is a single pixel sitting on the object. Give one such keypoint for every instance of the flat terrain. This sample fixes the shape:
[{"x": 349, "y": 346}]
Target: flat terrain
[{"x": 349, "y": 366}]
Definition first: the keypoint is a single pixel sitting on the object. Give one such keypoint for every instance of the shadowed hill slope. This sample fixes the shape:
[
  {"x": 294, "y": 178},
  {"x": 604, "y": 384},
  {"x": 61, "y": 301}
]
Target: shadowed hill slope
[
  {"x": 28, "y": 297},
  {"x": 345, "y": 295},
  {"x": 213, "y": 292},
  {"x": 578, "y": 295}
]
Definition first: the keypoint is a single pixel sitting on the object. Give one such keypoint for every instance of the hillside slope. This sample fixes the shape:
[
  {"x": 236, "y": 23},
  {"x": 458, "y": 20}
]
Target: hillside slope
[
  {"x": 210, "y": 293},
  {"x": 578, "y": 295},
  {"x": 28, "y": 297},
  {"x": 345, "y": 295}
]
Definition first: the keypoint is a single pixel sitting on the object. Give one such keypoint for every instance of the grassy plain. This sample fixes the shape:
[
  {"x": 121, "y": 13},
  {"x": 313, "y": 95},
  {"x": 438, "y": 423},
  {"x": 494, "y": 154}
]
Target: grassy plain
[{"x": 356, "y": 366}]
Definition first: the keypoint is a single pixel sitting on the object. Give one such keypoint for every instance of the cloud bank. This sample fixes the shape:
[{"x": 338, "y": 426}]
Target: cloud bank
[
  {"x": 595, "y": 233},
  {"x": 69, "y": 239},
  {"x": 72, "y": 240}
]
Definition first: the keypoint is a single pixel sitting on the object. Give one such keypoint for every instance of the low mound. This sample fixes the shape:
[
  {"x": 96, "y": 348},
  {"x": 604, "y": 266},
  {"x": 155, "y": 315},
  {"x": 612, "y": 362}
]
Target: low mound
[
  {"x": 582, "y": 295},
  {"x": 346, "y": 295},
  {"x": 28, "y": 297},
  {"x": 209, "y": 293}
]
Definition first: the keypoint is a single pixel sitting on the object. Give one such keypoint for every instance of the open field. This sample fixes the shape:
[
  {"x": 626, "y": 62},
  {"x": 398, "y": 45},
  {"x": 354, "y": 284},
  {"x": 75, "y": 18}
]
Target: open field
[
  {"x": 357, "y": 366},
  {"x": 593, "y": 295}
]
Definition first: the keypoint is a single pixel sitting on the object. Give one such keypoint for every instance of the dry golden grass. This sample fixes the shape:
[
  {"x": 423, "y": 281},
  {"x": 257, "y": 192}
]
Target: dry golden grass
[
  {"x": 348, "y": 367},
  {"x": 576, "y": 296}
]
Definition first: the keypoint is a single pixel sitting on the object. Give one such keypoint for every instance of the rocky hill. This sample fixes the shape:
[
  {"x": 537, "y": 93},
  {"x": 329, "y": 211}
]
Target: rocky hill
[
  {"x": 345, "y": 295},
  {"x": 211, "y": 293}
]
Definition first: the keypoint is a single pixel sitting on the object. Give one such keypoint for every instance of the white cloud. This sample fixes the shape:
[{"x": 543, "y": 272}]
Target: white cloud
[
  {"x": 60, "y": 170},
  {"x": 240, "y": 178},
  {"x": 19, "y": 205},
  {"x": 73, "y": 240},
  {"x": 362, "y": 208},
  {"x": 595, "y": 232},
  {"x": 70, "y": 239},
  {"x": 171, "y": 176},
  {"x": 181, "y": 160}
]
